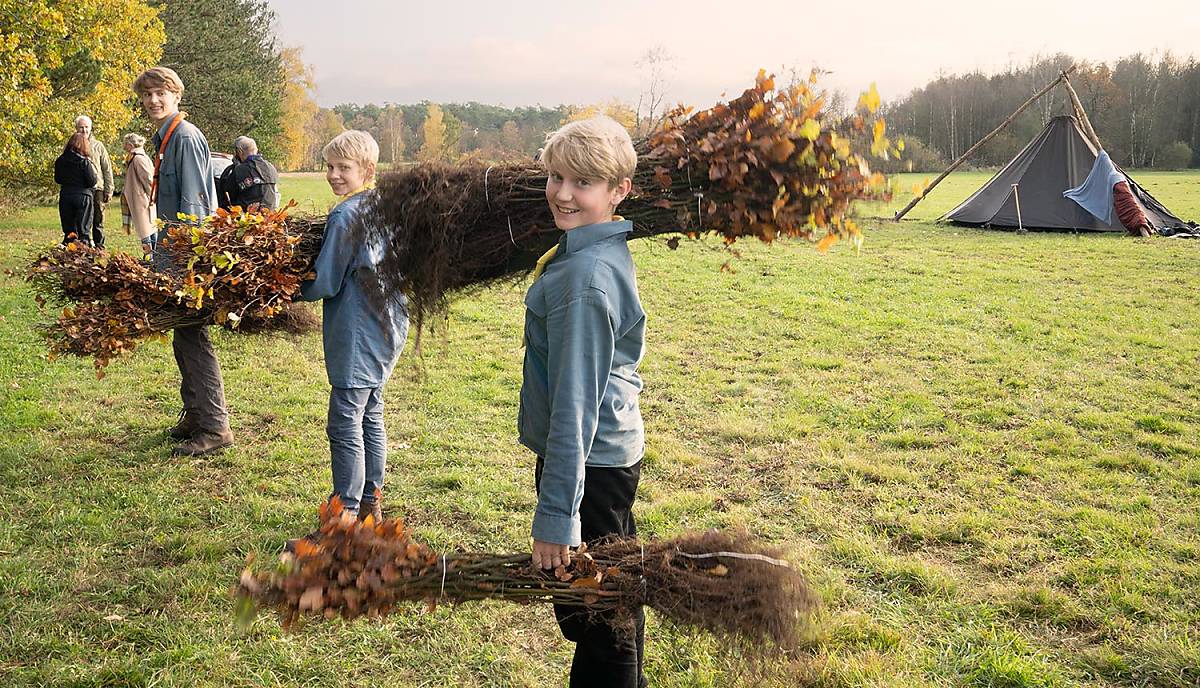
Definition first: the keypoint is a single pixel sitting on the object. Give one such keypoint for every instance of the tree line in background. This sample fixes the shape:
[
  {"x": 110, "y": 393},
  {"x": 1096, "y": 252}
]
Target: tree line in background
[
  {"x": 61, "y": 59},
  {"x": 1145, "y": 109}
]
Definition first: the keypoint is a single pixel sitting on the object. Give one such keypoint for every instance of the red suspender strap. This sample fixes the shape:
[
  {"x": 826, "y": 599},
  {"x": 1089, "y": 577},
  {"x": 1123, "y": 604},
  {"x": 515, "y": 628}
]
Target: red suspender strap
[{"x": 158, "y": 158}]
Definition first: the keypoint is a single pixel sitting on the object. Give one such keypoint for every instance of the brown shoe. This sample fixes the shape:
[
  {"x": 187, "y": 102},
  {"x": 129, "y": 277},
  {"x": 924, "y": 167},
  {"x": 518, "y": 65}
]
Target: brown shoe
[
  {"x": 205, "y": 442},
  {"x": 185, "y": 428},
  {"x": 371, "y": 508}
]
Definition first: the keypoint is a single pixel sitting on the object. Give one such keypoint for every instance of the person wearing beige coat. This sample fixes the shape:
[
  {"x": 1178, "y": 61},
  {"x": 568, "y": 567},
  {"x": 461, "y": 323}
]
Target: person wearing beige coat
[{"x": 137, "y": 210}]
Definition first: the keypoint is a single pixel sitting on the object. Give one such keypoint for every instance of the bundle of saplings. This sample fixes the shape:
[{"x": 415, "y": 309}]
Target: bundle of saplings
[
  {"x": 770, "y": 163},
  {"x": 240, "y": 269},
  {"x": 727, "y": 584}
]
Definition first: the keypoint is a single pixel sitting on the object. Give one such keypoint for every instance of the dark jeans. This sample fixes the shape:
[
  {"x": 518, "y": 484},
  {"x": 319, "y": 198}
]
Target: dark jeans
[
  {"x": 608, "y": 653},
  {"x": 98, "y": 219},
  {"x": 200, "y": 386},
  {"x": 75, "y": 214}
]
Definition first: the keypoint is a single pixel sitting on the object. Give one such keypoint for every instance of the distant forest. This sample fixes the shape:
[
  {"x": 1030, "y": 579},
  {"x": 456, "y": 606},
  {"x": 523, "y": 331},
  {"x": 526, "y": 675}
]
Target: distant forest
[{"x": 1145, "y": 109}]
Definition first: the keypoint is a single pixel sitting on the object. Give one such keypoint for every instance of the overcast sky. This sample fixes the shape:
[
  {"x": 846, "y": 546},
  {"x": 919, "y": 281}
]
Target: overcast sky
[{"x": 538, "y": 52}]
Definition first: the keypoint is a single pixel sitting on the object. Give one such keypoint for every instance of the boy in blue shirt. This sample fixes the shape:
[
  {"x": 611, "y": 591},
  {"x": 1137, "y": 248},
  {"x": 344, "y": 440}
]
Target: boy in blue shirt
[
  {"x": 183, "y": 183},
  {"x": 585, "y": 336},
  {"x": 361, "y": 342}
]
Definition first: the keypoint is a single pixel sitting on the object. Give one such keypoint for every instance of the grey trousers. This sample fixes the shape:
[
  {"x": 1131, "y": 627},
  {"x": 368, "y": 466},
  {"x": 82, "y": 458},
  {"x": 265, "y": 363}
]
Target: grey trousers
[
  {"x": 98, "y": 219},
  {"x": 201, "y": 386}
]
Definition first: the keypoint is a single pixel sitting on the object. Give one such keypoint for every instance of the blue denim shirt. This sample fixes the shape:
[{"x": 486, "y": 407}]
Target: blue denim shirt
[
  {"x": 584, "y": 338},
  {"x": 185, "y": 176},
  {"x": 361, "y": 341}
]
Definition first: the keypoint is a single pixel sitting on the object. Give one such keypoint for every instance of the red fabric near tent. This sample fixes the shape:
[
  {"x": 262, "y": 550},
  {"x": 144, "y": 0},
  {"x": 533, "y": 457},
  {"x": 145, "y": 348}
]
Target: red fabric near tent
[{"x": 1128, "y": 210}]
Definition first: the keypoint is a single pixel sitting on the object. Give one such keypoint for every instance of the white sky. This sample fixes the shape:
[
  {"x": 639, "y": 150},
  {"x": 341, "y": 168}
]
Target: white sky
[{"x": 542, "y": 52}]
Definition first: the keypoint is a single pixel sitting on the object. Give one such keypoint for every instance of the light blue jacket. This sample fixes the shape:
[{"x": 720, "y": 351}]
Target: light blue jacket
[
  {"x": 362, "y": 341},
  {"x": 584, "y": 338},
  {"x": 185, "y": 175},
  {"x": 1095, "y": 194}
]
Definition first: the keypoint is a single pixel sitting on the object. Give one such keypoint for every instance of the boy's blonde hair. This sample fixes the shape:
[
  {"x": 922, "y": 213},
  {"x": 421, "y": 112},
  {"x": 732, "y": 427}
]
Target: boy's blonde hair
[
  {"x": 593, "y": 148},
  {"x": 158, "y": 77},
  {"x": 355, "y": 145}
]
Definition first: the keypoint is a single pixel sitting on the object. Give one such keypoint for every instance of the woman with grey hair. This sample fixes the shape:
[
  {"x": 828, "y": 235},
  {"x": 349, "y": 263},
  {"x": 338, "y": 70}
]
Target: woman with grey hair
[{"x": 137, "y": 210}]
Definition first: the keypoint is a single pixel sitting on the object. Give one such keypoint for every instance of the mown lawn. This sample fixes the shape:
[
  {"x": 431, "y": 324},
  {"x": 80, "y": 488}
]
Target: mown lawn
[{"x": 983, "y": 448}]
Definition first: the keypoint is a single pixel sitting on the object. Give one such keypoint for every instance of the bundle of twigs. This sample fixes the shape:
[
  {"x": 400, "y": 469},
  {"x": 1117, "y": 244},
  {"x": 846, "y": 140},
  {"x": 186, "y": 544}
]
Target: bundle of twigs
[
  {"x": 769, "y": 163},
  {"x": 234, "y": 268},
  {"x": 725, "y": 584}
]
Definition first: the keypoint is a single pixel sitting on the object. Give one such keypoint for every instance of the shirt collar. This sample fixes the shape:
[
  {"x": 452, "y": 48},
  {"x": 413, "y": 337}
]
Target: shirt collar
[
  {"x": 581, "y": 237},
  {"x": 162, "y": 130}
]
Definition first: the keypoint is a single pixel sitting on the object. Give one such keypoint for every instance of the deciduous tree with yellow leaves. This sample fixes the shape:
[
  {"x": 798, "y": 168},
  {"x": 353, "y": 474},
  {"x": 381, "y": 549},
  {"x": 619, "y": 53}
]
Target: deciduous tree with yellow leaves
[
  {"x": 299, "y": 110},
  {"x": 59, "y": 60}
]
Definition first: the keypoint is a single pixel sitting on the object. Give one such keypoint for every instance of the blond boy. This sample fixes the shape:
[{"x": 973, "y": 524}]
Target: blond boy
[
  {"x": 585, "y": 336},
  {"x": 183, "y": 183},
  {"x": 361, "y": 342}
]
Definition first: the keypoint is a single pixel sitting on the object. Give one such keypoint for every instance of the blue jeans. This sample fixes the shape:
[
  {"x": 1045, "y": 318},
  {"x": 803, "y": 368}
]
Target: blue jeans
[{"x": 357, "y": 443}]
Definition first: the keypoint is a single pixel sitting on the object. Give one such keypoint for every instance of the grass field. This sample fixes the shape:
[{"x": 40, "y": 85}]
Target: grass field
[{"x": 982, "y": 447}]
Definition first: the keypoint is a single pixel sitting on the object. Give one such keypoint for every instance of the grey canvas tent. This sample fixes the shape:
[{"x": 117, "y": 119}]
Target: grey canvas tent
[{"x": 1057, "y": 159}]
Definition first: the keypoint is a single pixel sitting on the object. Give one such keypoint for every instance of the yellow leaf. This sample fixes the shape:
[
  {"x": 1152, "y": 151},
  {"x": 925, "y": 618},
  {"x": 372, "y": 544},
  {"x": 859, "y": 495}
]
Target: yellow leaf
[
  {"x": 810, "y": 130},
  {"x": 869, "y": 99}
]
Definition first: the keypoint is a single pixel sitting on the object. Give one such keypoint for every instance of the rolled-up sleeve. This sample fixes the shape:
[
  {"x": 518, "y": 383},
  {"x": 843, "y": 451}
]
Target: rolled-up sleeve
[{"x": 581, "y": 345}]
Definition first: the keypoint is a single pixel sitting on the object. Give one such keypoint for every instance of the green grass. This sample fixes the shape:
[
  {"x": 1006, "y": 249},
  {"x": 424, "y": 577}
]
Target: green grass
[{"x": 982, "y": 448}]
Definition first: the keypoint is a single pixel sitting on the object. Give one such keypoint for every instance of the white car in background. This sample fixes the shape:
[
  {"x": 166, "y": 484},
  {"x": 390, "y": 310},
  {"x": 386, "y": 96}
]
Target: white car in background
[{"x": 220, "y": 161}]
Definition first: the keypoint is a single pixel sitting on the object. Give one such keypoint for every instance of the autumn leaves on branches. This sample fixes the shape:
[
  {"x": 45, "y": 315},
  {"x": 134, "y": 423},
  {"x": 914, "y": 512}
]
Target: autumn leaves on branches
[
  {"x": 234, "y": 268},
  {"x": 772, "y": 162}
]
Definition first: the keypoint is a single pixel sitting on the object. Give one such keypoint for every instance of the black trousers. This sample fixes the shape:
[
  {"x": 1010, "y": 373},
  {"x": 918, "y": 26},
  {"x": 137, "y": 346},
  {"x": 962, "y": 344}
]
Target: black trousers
[
  {"x": 98, "y": 218},
  {"x": 75, "y": 214},
  {"x": 608, "y": 653}
]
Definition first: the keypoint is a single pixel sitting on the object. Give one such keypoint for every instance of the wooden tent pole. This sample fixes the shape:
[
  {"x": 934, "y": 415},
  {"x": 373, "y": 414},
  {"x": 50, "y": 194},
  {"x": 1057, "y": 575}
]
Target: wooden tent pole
[
  {"x": 962, "y": 158},
  {"x": 1081, "y": 114}
]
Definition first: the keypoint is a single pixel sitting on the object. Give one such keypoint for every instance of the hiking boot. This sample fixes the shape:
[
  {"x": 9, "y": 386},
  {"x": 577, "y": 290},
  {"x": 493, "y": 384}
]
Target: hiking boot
[
  {"x": 184, "y": 428},
  {"x": 371, "y": 508},
  {"x": 205, "y": 442}
]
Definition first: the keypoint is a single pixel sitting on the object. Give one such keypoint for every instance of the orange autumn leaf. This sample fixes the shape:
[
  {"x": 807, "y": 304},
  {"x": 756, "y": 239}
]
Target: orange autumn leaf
[{"x": 824, "y": 244}]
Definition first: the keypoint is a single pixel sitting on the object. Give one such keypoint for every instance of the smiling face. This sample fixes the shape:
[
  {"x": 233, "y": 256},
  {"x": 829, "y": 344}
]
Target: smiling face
[
  {"x": 577, "y": 201},
  {"x": 83, "y": 125},
  {"x": 159, "y": 103},
  {"x": 345, "y": 176}
]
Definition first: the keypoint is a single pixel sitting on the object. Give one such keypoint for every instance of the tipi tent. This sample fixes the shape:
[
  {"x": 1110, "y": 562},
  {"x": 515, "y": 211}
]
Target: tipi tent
[{"x": 1057, "y": 159}]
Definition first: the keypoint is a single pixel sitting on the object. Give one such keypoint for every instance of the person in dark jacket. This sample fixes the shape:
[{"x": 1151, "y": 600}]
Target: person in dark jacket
[
  {"x": 250, "y": 180},
  {"x": 77, "y": 177}
]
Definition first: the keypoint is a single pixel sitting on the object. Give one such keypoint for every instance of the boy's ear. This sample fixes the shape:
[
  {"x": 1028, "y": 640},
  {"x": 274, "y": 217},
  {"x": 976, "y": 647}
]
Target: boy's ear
[
  {"x": 623, "y": 189},
  {"x": 370, "y": 171}
]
